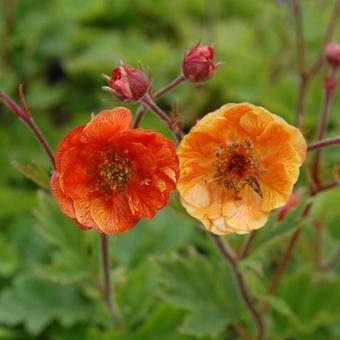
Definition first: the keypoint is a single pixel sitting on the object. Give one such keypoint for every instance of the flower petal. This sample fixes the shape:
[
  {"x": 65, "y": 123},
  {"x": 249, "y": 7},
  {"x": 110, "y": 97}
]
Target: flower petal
[
  {"x": 106, "y": 124},
  {"x": 276, "y": 186},
  {"x": 65, "y": 203},
  {"x": 71, "y": 140},
  {"x": 245, "y": 215},
  {"x": 144, "y": 200},
  {"x": 82, "y": 211},
  {"x": 112, "y": 214}
]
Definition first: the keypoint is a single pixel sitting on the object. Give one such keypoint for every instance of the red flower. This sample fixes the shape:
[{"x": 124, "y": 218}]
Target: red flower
[
  {"x": 198, "y": 65},
  {"x": 127, "y": 83},
  {"x": 108, "y": 177}
]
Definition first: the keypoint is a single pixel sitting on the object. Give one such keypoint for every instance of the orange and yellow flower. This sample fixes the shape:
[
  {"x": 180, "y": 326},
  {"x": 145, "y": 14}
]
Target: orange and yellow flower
[
  {"x": 108, "y": 176},
  {"x": 236, "y": 165}
]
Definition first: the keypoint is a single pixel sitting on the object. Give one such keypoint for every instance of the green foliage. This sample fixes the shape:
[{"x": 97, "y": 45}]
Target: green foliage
[
  {"x": 312, "y": 309},
  {"x": 34, "y": 173},
  {"x": 35, "y": 302},
  {"x": 204, "y": 288},
  {"x": 169, "y": 280}
]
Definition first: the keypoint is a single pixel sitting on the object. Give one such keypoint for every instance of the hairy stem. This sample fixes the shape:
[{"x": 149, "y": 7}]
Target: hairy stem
[
  {"x": 227, "y": 253},
  {"x": 162, "y": 115},
  {"x": 23, "y": 113},
  {"x": 142, "y": 108},
  {"x": 109, "y": 297},
  {"x": 139, "y": 115}
]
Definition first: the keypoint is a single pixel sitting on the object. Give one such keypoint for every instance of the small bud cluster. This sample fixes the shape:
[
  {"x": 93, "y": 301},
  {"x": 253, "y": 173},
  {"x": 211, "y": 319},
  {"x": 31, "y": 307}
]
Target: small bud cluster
[{"x": 130, "y": 85}]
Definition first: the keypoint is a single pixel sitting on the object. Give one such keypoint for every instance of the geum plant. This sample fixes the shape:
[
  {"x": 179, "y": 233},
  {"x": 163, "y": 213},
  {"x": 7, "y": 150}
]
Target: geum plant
[{"x": 234, "y": 167}]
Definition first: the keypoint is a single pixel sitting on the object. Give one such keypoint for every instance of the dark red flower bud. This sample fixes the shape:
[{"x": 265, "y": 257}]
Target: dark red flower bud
[
  {"x": 333, "y": 54},
  {"x": 198, "y": 65},
  {"x": 127, "y": 83}
]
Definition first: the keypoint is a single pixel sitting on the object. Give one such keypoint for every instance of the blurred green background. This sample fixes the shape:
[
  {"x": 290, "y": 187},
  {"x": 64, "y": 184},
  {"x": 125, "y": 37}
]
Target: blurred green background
[{"x": 171, "y": 283}]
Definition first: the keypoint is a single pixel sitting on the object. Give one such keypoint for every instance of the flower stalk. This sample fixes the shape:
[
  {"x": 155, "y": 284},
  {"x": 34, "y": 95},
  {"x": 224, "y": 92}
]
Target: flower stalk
[
  {"x": 227, "y": 253},
  {"x": 142, "y": 108},
  {"x": 108, "y": 291},
  {"x": 147, "y": 100},
  {"x": 23, "y": 113},
  {"x": 305, "y": 74},
  {"x": 330, "y": 84},
  {"x": 243, "y": 253},
  {"x": 323, "y": 143}
]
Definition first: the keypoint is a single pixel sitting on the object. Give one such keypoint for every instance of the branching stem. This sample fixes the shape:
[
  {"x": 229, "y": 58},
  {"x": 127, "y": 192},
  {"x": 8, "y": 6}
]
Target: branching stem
[{"x": 228, "y": 254}]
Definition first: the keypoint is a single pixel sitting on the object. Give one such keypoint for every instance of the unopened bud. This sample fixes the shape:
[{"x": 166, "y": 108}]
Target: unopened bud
[
  {"x": 128, "y": 83},
  {"x": 333, "y": 54},
  {"x": 198, "y": 65}
]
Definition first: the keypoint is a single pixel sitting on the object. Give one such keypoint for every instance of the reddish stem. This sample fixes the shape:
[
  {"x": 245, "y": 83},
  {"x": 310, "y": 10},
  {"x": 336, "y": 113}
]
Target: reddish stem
[
  {"x": 332, "y": 262},
  {"x": 142, "y": 108},
  {"x": 26, "y": 117},
  {"x": 323, "y": 143},
  {"x": 139, "y": 115},
  {"x": 325, "y": 186},
  {"x": 329, "y": 91},
  {"x": 227, "y": 253},
  {"x": 307, "y": 74},
  {"x": 245, "y": 247},
  {"x": 161, "y": 114},
  {"x": 286, "y": 255},
  {"x": 170, "y": 86}
]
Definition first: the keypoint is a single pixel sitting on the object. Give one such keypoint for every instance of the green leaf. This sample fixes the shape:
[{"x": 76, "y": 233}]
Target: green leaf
[
  {"x": 275, "y": 230},
  {"x": 163, "y": 324},
  {"x": 205, "y": 288},
  {"x": 34, "y": 173},
  {"x": 8, "y": 258},
  {"x": 166, "y": 232},
  {"x": 306, "y": 303},
  {"x": 65, "y": 270},
  {"x": 62, "y": 231},
  {"x": 36, "y": 302},
  {"x": 15, "y": 201},
  {"x": 325, "y": 209},
  {"x": 136, "y": 295}
]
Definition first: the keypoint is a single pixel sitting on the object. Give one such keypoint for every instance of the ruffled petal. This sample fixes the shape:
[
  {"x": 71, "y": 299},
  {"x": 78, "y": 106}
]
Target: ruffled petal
[
  {"x": 276, "y": 186},
  {"x": 255, "y": 121},
  {"x": 82, "y": 211},
  {"x": 245, "y": 215},
  {"x": 112, "y": 214},
  {"x": 105, "y": 126},
  {"x": 70, "y": 141},
  {"x": 65, "y": 203},
  {"x": 144, "y": 200}
]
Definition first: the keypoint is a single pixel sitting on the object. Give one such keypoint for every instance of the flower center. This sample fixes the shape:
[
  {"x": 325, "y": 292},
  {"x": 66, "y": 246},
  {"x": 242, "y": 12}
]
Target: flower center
[
  {"x": 114, "y": 173},
  {"x": 236, "y": 167}
]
